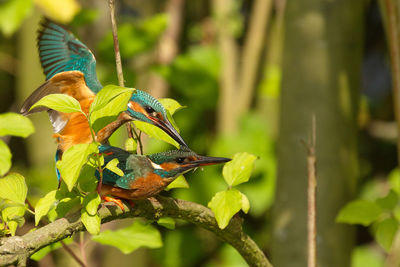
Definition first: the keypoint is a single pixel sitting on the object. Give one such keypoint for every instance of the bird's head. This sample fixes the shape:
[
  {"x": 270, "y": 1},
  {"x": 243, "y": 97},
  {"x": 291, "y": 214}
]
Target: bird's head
[
  {"x": 173, "y": 163},
  {"x": 144, "y": 107}
]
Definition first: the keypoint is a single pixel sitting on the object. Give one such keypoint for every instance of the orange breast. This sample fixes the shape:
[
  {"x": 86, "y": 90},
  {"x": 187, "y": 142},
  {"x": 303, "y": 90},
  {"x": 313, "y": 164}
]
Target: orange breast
[{"x": 77, "y": 130}]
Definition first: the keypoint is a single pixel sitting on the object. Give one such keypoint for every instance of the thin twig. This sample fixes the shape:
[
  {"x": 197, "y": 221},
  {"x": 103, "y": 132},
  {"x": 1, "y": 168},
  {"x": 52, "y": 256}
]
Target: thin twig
[
  {"x": 390, "y": 9},
  {"x": 118, "y": 63},
  {"x": 82, "y": 246},
  {"x": 69, "y": 250},
  {"x": 311, "y": 197},
  {"x": 138, "y": 139}
]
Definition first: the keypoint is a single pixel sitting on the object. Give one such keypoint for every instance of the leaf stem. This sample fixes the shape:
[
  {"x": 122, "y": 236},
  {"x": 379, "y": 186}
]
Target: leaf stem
[{"x": 138, "y": 139}]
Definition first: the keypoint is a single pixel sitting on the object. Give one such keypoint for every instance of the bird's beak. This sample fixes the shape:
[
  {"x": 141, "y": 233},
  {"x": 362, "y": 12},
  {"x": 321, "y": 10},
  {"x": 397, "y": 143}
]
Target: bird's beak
[
  {"x": 204, "y": 161},
  {"x": 170, "y": 130}
]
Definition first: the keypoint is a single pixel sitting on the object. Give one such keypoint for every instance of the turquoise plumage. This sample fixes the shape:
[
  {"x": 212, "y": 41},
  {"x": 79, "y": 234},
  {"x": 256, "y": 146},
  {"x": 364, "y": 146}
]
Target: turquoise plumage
[
  {"x": 146, "y": 176},
  {"x": 60, "y": 50}
]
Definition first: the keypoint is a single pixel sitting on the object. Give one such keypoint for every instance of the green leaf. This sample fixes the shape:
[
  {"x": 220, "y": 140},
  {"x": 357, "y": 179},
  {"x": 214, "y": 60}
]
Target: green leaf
[
  {"x": 167, "y": 222},
  {"x": 61, "y": 10},
  {"x": 92, "y": 223},
  {"x": 239, "y": 169},
  {"x": 389, "y": 201},
  {"x": 225, "y": 204},
  {"x": 367, "y": 256},
  {"x": 385, "y": 233},
  {"x": 155, "y": 132},
  {"x": 66, "y": 205},
  {"x": 245, "y": 203},
  {"x": 13, "y": 187},
  {"x": 72, "y": 161},
  {"x": 130, "y": 145},
  {"x": 59, "y": 102},
  {"x": 91, "y": 203},
  {"x": 394, "y": 180},
  {"x": 131, "y": 238},
  {"x": 171, "y": 105},
  {"x": 359, "y": 212},
  {"x": 44, "y": 205},
  {"x": 87, "y": 182},
  {"x": 13, "y": 217},
  {"x": 12, "y": 14},
  {"x": 15, "y": 124},
  {"x": 107, "y": 94},
  {"x": 5, "y": 158},
  {"x": 112, "y": 166},
  {"x": 179, "y": 182},
  {"x": 102, "y": 117},
  {"x": 38, "y": 255}
]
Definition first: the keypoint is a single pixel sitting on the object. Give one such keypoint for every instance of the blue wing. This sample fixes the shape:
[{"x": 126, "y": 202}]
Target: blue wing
[{"x": 60, "y": 50}]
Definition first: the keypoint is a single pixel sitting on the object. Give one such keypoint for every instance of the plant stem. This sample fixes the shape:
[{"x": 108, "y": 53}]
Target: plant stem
[
  {"x": 390, "y": 10},
  {"x": 82, "y": 246},
  {"x": 118, "y": 63},
  {"x": 72, "y": 253},
  {"x": 138, "y": 139}
]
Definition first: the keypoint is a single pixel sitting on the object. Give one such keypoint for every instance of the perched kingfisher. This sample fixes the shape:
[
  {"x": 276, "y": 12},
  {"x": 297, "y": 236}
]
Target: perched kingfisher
[
  {"x": 146, "y": 176},
  {"x": 70, "y": 68}
]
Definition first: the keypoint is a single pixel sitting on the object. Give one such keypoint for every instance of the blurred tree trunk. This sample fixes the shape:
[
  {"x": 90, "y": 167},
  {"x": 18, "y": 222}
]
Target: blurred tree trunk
[{"x": 321, "y": 75}]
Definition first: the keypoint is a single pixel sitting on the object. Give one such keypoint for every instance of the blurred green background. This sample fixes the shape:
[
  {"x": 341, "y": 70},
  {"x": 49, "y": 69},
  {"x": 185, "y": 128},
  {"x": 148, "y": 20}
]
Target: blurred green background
[{"x": 251, "y": 74}]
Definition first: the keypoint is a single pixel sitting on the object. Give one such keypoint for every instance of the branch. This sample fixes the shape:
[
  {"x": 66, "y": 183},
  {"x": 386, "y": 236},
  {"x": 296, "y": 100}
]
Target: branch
[{"x": 18, "y": 248}]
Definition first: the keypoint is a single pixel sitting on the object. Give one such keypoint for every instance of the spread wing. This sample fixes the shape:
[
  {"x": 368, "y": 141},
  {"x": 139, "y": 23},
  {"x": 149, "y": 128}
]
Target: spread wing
[
  {"x": 60, "y": 50},
  {"x": 71, "y": 83}
]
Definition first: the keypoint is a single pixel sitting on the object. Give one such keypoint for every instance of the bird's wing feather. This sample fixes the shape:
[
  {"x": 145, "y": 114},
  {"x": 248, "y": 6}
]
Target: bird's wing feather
[
  {"x": 71, "y": 83},
  {"x": 60, "y": 50}
]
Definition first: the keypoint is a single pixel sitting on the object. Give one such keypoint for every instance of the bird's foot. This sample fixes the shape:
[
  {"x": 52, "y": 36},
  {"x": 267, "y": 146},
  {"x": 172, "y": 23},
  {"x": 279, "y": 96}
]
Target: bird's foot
[{"x": 117, "y": 201}]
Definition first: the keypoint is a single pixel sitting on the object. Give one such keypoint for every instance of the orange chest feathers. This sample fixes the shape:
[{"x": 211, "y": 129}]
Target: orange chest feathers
[{"x": 77, "y": 130}]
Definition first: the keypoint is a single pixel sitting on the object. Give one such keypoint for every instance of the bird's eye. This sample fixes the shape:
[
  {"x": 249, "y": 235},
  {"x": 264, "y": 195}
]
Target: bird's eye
[
  {"x": 150, "y": 111},
  {"x": 180, "y": 160}
]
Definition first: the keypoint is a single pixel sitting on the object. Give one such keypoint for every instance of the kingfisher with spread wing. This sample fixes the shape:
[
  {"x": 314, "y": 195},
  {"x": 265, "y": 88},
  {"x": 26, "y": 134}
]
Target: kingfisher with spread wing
[{"x": 70, "y": 68}]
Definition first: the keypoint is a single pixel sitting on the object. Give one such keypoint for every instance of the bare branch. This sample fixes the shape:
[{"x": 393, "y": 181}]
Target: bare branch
[{"x": 19, "y": 248}]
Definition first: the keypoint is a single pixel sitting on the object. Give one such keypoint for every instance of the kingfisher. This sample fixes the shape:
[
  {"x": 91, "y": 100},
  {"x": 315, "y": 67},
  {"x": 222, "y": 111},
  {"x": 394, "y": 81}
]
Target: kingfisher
[
  {"x": 70, "y": 68},
  {"x": 146, "y": 175}
]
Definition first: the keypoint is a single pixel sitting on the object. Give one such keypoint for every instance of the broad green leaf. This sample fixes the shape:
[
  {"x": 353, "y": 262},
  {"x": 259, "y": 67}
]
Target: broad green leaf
[
  {"x": 91, "y": 203},
  {"x": 61, "y": 10},
  {"x": 44, "y": 205},
  {"x": 225, "y": 204},
  {"x": 130, "y": 145},
  {"x": 131, "y": 238},
  {"x": 5, "y": 158},
  {"x": 92, "y": 223},
  {"x": 72, "y": 161},
  {"x": 239, "y": 169},
  {"x": 13, "y": 187},
  {"x": 389, "y": 201},
  {"x": 394, "y": 180},
  {"x": 170, "y": 105},
  {"x": 385, "y": 232},
  {"x": 107, "y": 94},
  {"x": 13, "y": 217},
  {"x": 87, "y": 182},
  {"x": 66, "y": 205},
  {"x": 12, "y": 14},
  {"x": 109, "y": 113},
  {"x": 112, "y": 166},
  {"x": 15, "y": 124},
  {"x": 59, "y": 102},
  {"x": 38, "y": 255},
  {"x": 245, "y": 203},
  {"x": 367, "y": 256},
  {"x": 359, "y": 212},
  {"x": 167, "y": 222},
  {"x": 155, "y": 132},
  {"x": 179, "y": 182}
]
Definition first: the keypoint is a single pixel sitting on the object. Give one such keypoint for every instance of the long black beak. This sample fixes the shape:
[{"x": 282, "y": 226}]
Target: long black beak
[
  {"x": 204, "y": 161},
  {"x": 171, "y": 131}
]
